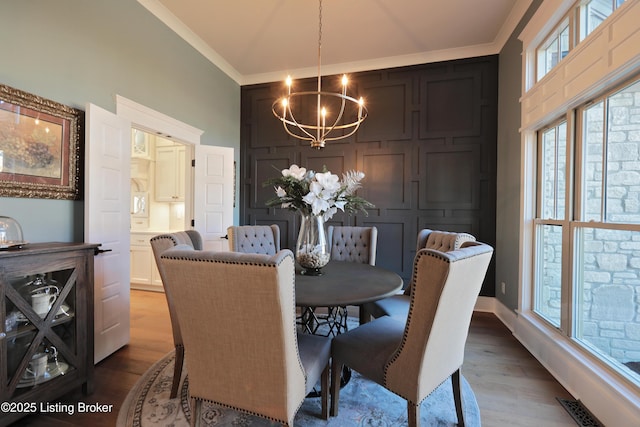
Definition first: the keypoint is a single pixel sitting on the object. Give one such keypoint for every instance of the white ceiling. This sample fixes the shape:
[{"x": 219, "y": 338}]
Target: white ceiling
[{"x": 255, "y": 41}]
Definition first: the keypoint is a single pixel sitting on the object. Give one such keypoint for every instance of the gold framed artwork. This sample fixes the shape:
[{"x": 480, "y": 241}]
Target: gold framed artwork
[{"x": 39, "y": 147}]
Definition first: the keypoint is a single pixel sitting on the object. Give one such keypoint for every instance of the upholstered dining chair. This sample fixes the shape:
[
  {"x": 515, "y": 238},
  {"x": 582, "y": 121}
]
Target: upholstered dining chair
[
  {"x": 254, "y": 239},
  {"x": 353, "y": 244},
  {"x": 413, "y": 358},
  {"x": 261, "y": 367},
  {"x": 398, "y": 305},
  {"x": 159, "y": 244}
]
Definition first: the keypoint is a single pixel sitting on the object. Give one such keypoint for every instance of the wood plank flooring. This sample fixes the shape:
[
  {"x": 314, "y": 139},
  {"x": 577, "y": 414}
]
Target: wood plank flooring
[{"x": 511, "y": 387}]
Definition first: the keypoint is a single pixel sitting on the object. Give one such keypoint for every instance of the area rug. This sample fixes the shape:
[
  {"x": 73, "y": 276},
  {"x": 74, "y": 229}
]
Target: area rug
[{"x": 362, "y": 403}]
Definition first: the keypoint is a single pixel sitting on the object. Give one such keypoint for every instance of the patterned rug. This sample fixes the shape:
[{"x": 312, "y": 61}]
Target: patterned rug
[{"x": 362, "y": 403}]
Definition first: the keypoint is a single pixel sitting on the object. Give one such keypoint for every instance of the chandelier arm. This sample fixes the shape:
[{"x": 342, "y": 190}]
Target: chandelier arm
[
  {"x": 355, "y": 125},
  {"x": 296, "y": 124},
  {"x": 302, "y": 137},
  {"x": 338, "y": 118}
]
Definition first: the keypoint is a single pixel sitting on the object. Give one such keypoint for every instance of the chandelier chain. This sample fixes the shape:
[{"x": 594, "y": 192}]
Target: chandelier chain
[{"x": 320, "y": 24}]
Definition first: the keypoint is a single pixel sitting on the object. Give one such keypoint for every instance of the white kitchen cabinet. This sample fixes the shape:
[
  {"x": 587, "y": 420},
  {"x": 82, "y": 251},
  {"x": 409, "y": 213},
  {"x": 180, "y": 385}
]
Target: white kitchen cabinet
[
  {"x": 144, "y": 272},
  {"x": 170, "y": 173}
]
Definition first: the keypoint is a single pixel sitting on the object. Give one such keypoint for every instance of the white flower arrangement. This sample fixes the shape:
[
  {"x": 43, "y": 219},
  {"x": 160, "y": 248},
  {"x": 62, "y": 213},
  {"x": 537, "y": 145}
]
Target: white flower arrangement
[{"x": 322, "y": 193}]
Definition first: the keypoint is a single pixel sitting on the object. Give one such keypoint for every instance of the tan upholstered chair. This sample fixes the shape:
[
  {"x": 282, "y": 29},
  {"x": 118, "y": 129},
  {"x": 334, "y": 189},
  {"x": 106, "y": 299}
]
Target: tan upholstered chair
[
  {"x": 254, "y": 239},
  {"x": 159, "y": 244},
  {"x": 413, "y": 358},
  {"x": 353, "y": 244},
  {"x": 398, "y": 305},
  {"x": 249, "y": 360}
]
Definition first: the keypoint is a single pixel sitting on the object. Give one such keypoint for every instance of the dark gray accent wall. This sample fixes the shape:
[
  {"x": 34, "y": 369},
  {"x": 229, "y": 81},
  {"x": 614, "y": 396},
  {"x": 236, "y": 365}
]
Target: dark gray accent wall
[{"x": 428, "y": 149}]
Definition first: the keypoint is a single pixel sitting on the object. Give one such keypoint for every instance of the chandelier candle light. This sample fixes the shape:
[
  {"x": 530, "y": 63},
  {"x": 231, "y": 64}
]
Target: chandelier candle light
[{"x": 328, "y": 126}]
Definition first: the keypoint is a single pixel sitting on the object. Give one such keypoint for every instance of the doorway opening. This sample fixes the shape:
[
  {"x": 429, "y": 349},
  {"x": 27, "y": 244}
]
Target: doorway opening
[{"x": 160, "y": 188}]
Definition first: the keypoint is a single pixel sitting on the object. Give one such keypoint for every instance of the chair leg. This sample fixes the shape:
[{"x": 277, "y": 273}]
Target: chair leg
[
  {"x": 177, "y": 371},
  {"x": 324, "y": 385},
  {"x": 413, "y": 414},
  {"x": 195, "y": 412},
  {"x": 336, "y": 369},
  {"x": 457, "y": 396},
  {"x": 365, "y": 317}
]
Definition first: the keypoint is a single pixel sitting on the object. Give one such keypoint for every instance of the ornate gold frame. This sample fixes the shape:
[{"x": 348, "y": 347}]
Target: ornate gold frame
[{"x": 39, "y": 147}]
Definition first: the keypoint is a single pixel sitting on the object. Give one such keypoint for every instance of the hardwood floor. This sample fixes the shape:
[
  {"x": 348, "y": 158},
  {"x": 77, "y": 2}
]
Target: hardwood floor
[{"x": 511, "y": 387}]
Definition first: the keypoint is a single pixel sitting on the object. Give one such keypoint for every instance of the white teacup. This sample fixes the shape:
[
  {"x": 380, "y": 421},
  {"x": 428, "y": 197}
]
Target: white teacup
[
  {"x": 38, "y": 365},
  {"x": 42, "y": 303}
]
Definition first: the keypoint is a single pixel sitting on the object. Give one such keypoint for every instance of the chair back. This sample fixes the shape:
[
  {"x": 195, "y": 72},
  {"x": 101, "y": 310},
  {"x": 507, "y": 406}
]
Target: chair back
[
  {"x": 243, "y": 359},
  {"x": 443, "y": 241},
  {"x": 161, "y": 243},
  {"x": 446, "y": 287},
  {"x": 353, "y": 244},
  {"x": 254, "y": 239}
]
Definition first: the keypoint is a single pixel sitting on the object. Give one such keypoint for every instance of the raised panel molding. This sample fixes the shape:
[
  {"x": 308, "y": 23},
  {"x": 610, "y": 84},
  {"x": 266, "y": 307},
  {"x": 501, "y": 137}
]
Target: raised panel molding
[
  {"x": 449, "y": 178},
  {"x": 391, "y": 100},
  {"x": 427, "y": 149},
  {"x": 387, "y": 180},
  {"x": 450, "y": 105},
  {"x": 609, "y": 54}
]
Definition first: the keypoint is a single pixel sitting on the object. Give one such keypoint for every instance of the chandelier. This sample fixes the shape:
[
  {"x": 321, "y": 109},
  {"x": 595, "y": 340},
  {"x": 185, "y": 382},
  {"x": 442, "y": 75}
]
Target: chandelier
[{"x": 330, "y": 107}]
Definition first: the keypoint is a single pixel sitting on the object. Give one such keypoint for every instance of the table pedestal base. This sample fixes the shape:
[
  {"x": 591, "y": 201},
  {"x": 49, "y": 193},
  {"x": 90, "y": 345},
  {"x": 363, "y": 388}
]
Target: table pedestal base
[{"x": 329, "y": 324}]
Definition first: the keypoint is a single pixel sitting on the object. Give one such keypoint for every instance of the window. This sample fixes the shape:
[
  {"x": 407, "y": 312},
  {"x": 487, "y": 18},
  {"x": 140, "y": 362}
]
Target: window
[
  {"x": 552, "y": 154},
  {"x": 553, "y": 49},
  {"x": 593, "y": 12},
  {"x": 579, "y": 305},
  {"x": 587, "y": 267},
  {"x": 590, "y": 14}
]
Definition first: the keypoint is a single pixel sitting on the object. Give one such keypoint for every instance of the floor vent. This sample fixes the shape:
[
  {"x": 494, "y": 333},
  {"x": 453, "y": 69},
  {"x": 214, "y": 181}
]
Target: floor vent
[{"x": 580, "y": 413}]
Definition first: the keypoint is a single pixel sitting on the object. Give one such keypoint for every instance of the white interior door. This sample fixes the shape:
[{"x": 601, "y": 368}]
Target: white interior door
[
  {"x": 107, "y": 221},
  {"x": 213, "y": 195}
]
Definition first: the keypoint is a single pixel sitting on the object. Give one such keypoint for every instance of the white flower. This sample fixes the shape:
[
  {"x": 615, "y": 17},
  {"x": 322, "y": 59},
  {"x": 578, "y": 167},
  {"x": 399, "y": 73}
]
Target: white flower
[
  {"x": 280, "y": 192},
  {"x": 295, "y": 171},
  {"x": 314, "y": 193},
  {"x": 329, "y": 181},
  {"x": 329, "y": 213}
]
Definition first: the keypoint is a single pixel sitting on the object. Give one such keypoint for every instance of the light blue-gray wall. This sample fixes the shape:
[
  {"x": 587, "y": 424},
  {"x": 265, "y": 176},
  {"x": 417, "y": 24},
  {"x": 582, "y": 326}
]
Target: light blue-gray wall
[
  {"x": 88, "y": 51},
  {"x": 509, "y": 150}
]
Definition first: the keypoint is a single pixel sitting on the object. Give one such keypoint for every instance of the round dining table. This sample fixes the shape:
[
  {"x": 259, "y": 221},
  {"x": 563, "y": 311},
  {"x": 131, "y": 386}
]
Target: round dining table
[
  {"x": 341, "y": 283},
  {"x": 345, "y": 283}
]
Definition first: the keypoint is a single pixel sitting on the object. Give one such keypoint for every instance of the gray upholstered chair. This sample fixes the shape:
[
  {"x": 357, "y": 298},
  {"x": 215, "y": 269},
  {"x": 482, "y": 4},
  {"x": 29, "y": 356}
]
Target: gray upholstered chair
[
  {"x": 413, "y": 358},
  {"x": 261, "y": 367},
  {"x": 398, "y": 305},
  {"x": 353, "y": 244},
  {"x": 159, "y": 244},
  {"x": 254, "y": 239}
]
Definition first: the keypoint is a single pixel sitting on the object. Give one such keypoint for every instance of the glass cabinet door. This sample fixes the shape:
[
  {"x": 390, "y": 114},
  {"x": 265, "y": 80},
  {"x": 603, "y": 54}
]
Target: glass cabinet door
[{"x": 40, "y": 328}]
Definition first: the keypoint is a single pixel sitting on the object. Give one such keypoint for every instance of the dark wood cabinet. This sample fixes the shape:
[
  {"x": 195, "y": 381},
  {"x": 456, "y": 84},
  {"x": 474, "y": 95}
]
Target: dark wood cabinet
[{"x": 46, "y": 338}]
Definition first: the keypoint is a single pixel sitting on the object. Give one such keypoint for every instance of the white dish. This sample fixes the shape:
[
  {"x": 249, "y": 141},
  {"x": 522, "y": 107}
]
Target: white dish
[
  {"x": 53, "y": 370},
  {"x": 63, "y": 310}
]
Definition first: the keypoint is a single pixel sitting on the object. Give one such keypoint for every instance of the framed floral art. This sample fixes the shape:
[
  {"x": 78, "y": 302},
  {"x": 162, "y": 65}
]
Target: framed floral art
[{"x": 39, "y": 147}]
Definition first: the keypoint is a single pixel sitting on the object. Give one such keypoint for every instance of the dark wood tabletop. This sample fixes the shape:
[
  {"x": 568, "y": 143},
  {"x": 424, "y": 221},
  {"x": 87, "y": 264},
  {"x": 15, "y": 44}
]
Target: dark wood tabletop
[{"x": 345, "y": 283}]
